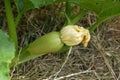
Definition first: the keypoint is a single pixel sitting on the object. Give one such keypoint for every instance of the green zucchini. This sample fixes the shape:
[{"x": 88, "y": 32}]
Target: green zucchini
[{"x": 50, "y": 42}]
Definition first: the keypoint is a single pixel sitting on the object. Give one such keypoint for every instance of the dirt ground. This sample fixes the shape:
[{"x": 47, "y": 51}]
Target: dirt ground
[{"x": 99, "y": 61}]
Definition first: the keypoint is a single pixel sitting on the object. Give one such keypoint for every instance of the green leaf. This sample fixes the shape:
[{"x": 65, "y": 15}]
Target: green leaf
[
  {"x": 71, "y": 1},
  {"x": 4, "y": 71},
  {"x": 40, "y": 3},
  {"x": 7, "y": 51},
  {"x": 113, "y": 9},
  {"x": 23, "y": 5},
  {"x": 104, "y": 9}
]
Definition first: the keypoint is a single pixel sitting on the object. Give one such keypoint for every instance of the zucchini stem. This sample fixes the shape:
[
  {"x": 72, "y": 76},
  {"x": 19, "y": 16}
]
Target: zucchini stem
[{"x": 11, "y": 24}]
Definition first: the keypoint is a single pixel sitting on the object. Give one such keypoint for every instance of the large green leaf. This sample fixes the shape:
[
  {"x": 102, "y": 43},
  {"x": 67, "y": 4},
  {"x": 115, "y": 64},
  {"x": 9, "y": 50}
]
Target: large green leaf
[
  {"x": 40, "y": 3},
  {"x": 111, "y": 9},
  {"x": 104, "y": 9},
  {"x": 7, "y": 51},
  {"x": 23, "y": 5}
]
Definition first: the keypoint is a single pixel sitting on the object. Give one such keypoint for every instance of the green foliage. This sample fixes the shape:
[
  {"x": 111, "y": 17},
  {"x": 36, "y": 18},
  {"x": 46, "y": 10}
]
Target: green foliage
[
  {"x": 104, "y": 9},
  {"x": 7, "y": 51},
  {"x": 23, "y": 5},
  {"x": 70, "y": 1},
  {"x": 40, "y": 3}
]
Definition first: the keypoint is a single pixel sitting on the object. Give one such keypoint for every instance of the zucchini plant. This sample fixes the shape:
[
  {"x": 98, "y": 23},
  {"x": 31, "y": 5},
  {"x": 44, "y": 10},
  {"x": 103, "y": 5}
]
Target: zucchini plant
[{"x": 53, "y": 41}]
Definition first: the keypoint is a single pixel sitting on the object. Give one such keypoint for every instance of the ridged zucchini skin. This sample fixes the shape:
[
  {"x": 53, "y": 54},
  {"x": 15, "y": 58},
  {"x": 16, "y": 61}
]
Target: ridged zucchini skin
[{"x": 50, "y": 42}]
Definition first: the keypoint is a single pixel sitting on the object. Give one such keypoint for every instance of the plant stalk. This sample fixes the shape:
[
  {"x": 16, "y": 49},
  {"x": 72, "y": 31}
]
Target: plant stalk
[
  {"x": 18, "y": 18},
  {"x": 11, "y": 24},
  {"x": 78, "y": 16},
  {"x": 70, "y": 19}
]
